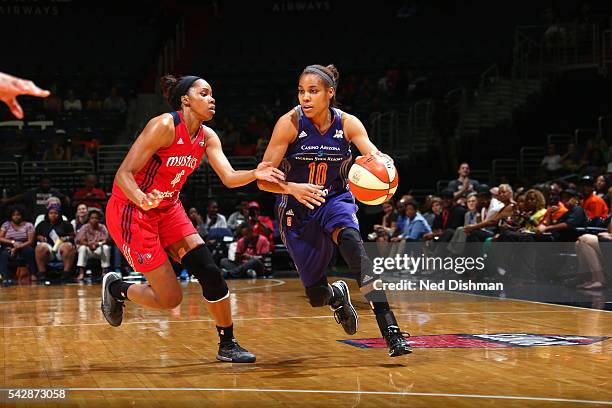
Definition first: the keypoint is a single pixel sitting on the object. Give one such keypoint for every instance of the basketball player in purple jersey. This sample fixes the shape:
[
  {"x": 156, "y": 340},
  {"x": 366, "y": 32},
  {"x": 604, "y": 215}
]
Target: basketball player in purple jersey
[{"x": 316, "y": 210}]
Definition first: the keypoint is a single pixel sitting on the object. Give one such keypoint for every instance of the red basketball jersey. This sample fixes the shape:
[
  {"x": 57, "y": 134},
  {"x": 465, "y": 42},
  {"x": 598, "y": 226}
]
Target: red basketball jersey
[{"x": 168, "y": 168}]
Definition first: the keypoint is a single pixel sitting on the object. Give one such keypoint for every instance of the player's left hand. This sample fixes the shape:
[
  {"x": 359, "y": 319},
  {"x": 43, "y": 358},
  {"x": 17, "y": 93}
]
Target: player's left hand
[
  {"x": 11, "y": 87},
  {"x": 265, "y": 171}
]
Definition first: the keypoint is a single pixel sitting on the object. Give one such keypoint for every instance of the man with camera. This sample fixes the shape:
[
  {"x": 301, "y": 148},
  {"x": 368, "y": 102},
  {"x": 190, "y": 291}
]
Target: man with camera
[
  {"x": 261, "y": 224},
  {"x": 251, "y": 249}
]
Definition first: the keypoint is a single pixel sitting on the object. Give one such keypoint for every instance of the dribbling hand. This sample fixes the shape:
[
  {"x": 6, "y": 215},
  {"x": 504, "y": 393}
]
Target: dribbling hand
[
  {"x": 266, "y": 172},
  {"x": 150, "y": 200},
  {"x": 308, "y": 194}
]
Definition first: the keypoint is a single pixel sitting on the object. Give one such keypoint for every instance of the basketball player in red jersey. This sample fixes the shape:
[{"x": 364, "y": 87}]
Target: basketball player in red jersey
[{"x": 147, "y": 220}]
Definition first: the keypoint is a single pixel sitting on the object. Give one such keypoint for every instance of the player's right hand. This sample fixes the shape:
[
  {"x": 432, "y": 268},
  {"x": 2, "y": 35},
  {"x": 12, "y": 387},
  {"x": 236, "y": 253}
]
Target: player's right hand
[
  {"x": 151, "y": 200},
  {"x": 308, "y": 194}
]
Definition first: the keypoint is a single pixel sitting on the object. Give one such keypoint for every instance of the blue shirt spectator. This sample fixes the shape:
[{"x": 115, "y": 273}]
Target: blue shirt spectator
[{"x": 415, "y": 226}]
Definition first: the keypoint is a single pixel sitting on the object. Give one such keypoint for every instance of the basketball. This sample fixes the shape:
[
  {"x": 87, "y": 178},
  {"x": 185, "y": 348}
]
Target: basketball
[{"x": 372, "y": 180}]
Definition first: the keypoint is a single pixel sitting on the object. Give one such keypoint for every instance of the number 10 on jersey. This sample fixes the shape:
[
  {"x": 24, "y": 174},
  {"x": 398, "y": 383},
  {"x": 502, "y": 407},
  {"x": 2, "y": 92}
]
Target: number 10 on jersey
[{"x": 318, "y": 173}]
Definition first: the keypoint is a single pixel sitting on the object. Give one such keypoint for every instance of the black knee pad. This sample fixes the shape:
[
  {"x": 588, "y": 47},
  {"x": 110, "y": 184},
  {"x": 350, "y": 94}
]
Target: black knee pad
[
  {"x": 352, "y": 250},
  {"x": 320, "y": 293},
  {"x": 199, "y": 263}
]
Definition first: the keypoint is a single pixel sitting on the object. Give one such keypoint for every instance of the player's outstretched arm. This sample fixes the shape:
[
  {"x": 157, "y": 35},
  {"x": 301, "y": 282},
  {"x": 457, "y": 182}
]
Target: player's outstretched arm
[
  {"x": 158, "y": 133},
  {"x": 357, "y": 134},
  {"x": 11, "y": 87},
  {"x": 236, "y": 178},
  {"x": 282, "y": 135}
]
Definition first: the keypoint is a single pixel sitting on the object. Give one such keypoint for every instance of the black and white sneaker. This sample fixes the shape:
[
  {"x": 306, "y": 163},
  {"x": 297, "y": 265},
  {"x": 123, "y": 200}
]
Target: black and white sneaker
[
  {"x": 344, "y": 312},
  {"x": 396, "y": 341},
  {"x": 231, "y": 352},
  {"x": 112, "y": 309}
]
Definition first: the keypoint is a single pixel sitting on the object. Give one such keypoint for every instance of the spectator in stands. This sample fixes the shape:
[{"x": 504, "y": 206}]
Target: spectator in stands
[
  {"x": 231, "y": 137},
  {"x": 594, "y": 162},
  {"x": 431, "y": 208},
  {"x": 555, "y": 208},
  {"x": 213, "y": 219},
  {"x": 17, "y": 239},
  {"x": 535, "y": 207},
  {"x": 78, "y": 152},
  {"x": 90, "y": 194},
  {"x": 195, "y": 217},
  {"x": 94, "y": 103},
  {"x": 572, "y": 159},
  {"x": 564, "y": 229},
  {"x": 551, "y": 163},
  {"x": 262, "y": 142},
  {"x": 384, "y": 231},
  {"x": 58, "y": 149},
  {"x": 601, "y": 186},
  {"x": 250, "y": 250},
  {"x": 480, "y": 231},
  {"x": 52, "y": 105},
  {"x": 54, "y": 238},
  {"x": 415, "y": 227},
  {"x": 244, "y": 147},
  {"x": 72, "y": 103},
  {"x": 93, "y": 242},
  {"x": 80, "y": 218},
  {"x": 488, "y": 204},
  {"x": 450, "y": 218},
  {"x": 253, "y": 128},
  {"x": 400, "y": 209},
  {"x": 593, "y": 205},
  {"x": 463, "y": 185},
  {"x": 240, "y": 216},
  {"x": 50, "y": 201},
  {"x": 387, "y": 225},
  {"x": 472, "y": 216},
  {"x": 262, "y": 224},
  {"x": 36, "y": 198},
  {"x": 115, "y": 102},
  {"x": 590, "y": 258}
]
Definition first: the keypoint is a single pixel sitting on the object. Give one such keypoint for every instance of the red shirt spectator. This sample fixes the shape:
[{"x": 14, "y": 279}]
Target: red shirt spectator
[
  {"x": 90, "y": 195},
  {"x": 595, "y": 206},
  {"x": 257, "y": 246},
  {"x": 261, "y": 224}
]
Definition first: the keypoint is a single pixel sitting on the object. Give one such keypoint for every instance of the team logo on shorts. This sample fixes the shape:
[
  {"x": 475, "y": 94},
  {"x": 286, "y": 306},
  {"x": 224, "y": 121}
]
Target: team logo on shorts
[
  {"x": 142, "y": 258},
  {"x": 289, "y": 221}
]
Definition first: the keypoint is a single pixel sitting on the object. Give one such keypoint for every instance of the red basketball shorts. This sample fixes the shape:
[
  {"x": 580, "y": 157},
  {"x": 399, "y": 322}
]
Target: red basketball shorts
[{"x": 142, "y": 235}]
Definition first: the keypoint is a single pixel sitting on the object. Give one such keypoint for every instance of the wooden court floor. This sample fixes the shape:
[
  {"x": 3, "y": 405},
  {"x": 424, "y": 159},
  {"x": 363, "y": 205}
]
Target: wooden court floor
[{"x": 55, "y": 337}]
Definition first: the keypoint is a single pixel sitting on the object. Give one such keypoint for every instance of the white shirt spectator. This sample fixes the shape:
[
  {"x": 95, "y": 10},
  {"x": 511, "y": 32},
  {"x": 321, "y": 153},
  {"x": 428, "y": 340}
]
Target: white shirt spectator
[
  {"x": 552, "y": 163},
  {"x": 73, "y": 105},
  {"x": 494, "y": 207}
]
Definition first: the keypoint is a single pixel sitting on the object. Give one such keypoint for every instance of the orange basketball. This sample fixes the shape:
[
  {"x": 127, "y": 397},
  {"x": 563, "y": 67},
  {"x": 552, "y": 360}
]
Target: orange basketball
[{"x": 373, "y": 180}]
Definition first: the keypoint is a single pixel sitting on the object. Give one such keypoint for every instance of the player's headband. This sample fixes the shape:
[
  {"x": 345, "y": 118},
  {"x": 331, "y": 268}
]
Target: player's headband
[
  {"x": 182, "y": 87},
  {"x": 313, "y": 69}
]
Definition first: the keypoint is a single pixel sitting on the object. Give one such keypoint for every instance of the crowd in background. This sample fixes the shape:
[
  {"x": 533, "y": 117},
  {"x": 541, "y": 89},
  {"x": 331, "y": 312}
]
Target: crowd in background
[
  {"x": 51, "y": 235},
  {"x": 467, "y": 211}
]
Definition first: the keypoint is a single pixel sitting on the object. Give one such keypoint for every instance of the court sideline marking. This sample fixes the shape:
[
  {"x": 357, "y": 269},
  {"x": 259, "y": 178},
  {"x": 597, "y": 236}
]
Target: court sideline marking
[
  {"x": 277, "y": 282},
  {"x": 352, "y": 392},
  {"x": 276, "y": 318}
]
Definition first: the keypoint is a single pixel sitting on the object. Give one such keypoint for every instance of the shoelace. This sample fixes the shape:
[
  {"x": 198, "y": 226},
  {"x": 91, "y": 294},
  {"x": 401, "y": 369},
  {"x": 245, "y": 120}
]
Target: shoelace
[
  {"x": 393, "y": 333},
  {"x": 338, "y": 314}
]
